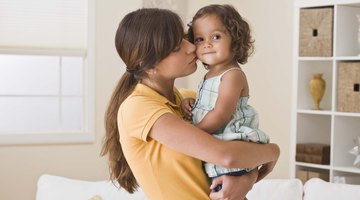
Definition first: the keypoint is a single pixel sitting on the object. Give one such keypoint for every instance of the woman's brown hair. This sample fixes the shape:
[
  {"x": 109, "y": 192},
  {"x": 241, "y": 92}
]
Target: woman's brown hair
[
  {"x": 144, "y": 37},
  {"x": 237, "y": 27}
]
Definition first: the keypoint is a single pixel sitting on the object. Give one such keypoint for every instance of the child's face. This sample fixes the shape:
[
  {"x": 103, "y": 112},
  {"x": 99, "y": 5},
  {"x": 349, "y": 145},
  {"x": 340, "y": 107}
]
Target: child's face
[{"x": 212, "y": 41}]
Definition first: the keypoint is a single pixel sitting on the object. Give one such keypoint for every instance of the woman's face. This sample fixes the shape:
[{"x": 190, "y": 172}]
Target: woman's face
[{"x": 181, "y": 62}]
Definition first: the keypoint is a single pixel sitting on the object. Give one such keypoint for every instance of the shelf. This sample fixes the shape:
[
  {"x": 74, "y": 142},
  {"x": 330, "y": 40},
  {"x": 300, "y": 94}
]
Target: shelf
[
  {"x": 328, "y": 125},
  {"x": 347, "y": 31},
  {"x": 348, "y": 175},
  {"x": 314, "y": 112},
  {"x": 346, "y": 128},
  {"x": 313, "y": 129},
  {"x": 306, "y": 70},
  {"x": 345, "y": 58},
  {"x": 351, "y": 169},
  {"x": 311, "y": 165},
  {"x": 321, "y": 3},
  {"x": 348, "y": 58},
  {"x": 347, "y": 114},
  {"x": 317, "y": 3},
  {"x": 327, "y": 112},
  {"x": 337, "y": 58},
  {"x": 316, "y": 58}
]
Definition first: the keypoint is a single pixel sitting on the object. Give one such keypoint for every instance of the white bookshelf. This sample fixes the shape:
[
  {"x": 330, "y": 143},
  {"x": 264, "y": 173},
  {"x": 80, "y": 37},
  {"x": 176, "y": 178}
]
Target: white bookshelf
[{"x": 328, "y": 126}]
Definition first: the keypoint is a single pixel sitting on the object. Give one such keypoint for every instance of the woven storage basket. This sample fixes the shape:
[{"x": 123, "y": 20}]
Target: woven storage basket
[
  {"x": 348, "y": 94},
  {"x": 316, "y": 32}
]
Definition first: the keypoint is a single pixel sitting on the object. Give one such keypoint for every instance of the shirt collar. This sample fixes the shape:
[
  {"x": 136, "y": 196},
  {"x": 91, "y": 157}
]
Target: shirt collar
[{"x": 144, "y": 90}]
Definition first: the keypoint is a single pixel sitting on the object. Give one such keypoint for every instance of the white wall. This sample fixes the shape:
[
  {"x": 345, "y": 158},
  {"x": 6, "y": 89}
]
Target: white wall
[{"x": 268, "y": 71}]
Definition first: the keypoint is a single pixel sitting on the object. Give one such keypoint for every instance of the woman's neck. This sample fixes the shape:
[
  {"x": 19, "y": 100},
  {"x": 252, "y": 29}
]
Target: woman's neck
[{"x": 164, "y": 88}]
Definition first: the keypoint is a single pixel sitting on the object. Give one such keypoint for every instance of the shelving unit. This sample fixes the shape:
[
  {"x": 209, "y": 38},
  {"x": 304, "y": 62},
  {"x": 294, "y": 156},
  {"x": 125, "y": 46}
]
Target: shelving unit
[{"x": 326, "y": 126}]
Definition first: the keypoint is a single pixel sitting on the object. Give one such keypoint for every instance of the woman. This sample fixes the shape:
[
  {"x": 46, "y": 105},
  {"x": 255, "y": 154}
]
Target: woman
[{"x": 147, "y": 141}]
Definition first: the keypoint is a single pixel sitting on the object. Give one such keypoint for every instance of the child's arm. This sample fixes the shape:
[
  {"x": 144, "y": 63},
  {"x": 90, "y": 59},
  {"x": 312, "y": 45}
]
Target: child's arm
[{"x": 231, "y": 87}]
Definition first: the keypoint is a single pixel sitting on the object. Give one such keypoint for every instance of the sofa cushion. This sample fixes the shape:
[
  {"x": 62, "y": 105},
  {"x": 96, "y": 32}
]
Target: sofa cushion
[
  {"x": 315, "y": 189},
  {"x": 51, "y": 187},
  {"x": 276, "y": 189}
]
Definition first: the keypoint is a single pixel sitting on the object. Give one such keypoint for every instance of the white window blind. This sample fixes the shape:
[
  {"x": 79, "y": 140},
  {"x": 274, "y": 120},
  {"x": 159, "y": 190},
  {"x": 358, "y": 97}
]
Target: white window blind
[
  {"x": 46, "y": 71},
  {"x": 43, "y": 24}
]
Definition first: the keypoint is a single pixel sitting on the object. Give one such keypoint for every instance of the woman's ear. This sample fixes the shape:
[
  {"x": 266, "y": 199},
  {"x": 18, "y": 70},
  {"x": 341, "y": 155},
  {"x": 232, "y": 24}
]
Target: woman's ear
[{"x": 151, "y": 71}]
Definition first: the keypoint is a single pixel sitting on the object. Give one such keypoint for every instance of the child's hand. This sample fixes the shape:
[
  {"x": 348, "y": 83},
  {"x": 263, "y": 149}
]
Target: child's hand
[
  {"x": 233, "y": 187},
  {"x": 186, "y": 107}
]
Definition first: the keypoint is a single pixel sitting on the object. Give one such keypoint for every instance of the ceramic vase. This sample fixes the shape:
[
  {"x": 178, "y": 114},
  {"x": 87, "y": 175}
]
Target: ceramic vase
[{"x": 317, "y": 89}]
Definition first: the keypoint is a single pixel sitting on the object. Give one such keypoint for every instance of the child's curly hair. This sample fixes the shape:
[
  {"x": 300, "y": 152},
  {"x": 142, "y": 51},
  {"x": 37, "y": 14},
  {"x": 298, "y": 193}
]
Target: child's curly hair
[{"x": 238, "y": 28}]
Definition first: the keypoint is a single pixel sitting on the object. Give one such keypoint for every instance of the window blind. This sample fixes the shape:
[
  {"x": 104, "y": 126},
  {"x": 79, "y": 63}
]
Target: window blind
[
  {"x": 43, "y": 24},
  {"x": 46, "y": 71}
]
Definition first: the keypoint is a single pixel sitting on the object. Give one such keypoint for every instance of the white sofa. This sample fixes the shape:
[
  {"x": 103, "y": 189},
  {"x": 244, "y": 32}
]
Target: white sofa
[{"x": 51, "y": 187}]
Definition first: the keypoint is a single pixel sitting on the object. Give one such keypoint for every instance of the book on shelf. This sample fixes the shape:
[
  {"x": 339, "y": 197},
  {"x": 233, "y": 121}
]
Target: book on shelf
[{"x": 313, "y": 153}]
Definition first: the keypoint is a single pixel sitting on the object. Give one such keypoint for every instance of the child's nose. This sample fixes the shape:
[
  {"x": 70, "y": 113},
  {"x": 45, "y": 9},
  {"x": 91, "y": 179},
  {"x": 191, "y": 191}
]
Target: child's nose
[{"x": 207, "y": 44}]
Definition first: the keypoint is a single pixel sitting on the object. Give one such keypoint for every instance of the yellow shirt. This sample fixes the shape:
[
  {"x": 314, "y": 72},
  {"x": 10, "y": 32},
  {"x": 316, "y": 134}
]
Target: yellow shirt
[{"x": 162, "y": 173}]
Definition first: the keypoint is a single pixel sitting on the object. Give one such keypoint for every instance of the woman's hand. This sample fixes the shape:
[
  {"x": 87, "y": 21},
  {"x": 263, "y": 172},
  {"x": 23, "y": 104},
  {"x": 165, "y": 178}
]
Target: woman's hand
[
  {"x": 186, "y": 107},
  {"x": 233, "y": 187}
]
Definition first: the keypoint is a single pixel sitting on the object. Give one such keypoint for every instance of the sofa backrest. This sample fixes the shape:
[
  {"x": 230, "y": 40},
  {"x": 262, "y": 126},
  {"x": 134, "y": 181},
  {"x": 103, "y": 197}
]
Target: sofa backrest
[
  {"x": 51, "y": 187},
  {"x": 277, "y": 189},
  {"x": 316, "y": 188}
]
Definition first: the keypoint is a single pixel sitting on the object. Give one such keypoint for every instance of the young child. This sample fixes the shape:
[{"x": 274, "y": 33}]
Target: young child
[{"x": 223, "y": 42}]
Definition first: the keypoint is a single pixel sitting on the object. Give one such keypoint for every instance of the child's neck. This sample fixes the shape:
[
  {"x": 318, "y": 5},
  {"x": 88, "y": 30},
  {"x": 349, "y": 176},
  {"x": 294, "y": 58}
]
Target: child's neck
[{"x": 218, "y": 69}]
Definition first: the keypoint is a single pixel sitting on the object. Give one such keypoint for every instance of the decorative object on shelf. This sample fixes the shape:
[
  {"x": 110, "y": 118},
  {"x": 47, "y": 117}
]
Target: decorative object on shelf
[
  {"x": 348, "y": 91},
  {"x": 346, "y": 179},
  {"x": 356, "y": 152},
  {"x": 358, "y": 36},
  {"x": 339, "y": 179},
  {"x": 316, "y": 31},
  {"x": 313, "y": 153},
  {"x": 317, "y": 89}
]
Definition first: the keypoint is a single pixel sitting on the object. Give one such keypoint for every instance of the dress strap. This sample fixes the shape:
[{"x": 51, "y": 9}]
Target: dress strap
[{"x": 234, "y": 68}]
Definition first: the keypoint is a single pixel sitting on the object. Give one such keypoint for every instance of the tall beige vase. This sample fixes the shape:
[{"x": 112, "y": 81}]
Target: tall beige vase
[{"x": 317, "y": 89}]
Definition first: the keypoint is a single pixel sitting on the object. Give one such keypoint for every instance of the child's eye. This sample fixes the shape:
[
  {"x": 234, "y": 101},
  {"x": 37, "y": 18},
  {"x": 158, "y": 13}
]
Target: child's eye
[
  {"x": 216, "y": 37},
  {"x": 198, "y": 40}
]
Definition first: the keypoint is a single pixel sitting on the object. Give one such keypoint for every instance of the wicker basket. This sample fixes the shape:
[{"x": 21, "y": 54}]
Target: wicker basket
[
  {"x": 348, "y": 91},
  {"x": 316, "y": 32}
]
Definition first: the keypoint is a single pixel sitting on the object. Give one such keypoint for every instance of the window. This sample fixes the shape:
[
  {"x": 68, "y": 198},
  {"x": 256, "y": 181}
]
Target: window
[{"x": 46, "y": 71}]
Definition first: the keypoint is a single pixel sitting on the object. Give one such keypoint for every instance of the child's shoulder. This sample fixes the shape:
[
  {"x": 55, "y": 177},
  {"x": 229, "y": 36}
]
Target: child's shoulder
[{"x": 235, "y": 72}]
